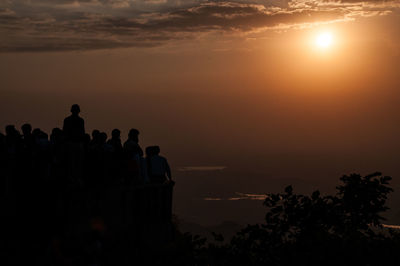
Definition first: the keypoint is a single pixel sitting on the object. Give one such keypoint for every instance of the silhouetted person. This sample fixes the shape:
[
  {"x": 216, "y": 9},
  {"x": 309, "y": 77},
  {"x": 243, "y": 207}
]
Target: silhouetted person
[
  {"x": 86, "y": 142},
  {"x": 100, "y": 169},
  {"x": 58, "y": 153},
  {"x": 36, "y": 133},
  {"x": 106, "y": 151},
  {"x": 26, "y": 130},
  {"x": 95, "y": 137},
  {"x": 103, "y": 140},
  {"x": 27, "y": 148},
  {"x": 28, "y": 140},
  {"x": 74, "y": 132},
  {"x": 43, "y": 154},
  {"x": 26, "y": 163},
  {"x": 115, "y": 141},
  {"x": 12, "y": 148},
  {"x": 56, "y": 135},
  {"x": 158, "y": 168},
  {"x": 2, "y": 145},
  {"x": 13, "y": 139},
  {"x": 132, "y": 144},
  {"x": 3, "y": 181},
  {"x": 133, "y": 154},
  {"x": 115, "y": 165},
  {"x": 74, "y": 126},
  {"x": 2, "y": 141}
]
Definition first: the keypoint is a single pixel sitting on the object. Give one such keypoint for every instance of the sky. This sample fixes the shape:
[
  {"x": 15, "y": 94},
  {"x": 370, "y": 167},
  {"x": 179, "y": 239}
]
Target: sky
[{"x": 238, "y": 95}]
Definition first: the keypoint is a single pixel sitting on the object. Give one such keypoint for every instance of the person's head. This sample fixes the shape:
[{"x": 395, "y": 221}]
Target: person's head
[
  {"x": 152, "y": 150},
  {"x": 26, "y": 129},
  {"x": 36, "y": 132},
  {"x": 116, "y": 134},
  {"x": 95, "y": 134},
  {"x": 134, "y": 134},
  {"x": 75, "y": 109},
  {"x": 102, "y": 137},
  {"x": 10, "y": 130},
  {"x": 43, "y": 135},
  {"x": 56, "y": 133}
]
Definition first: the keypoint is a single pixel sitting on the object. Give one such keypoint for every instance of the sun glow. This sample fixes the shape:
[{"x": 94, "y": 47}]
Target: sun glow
[{"x": 324, "y": 40}]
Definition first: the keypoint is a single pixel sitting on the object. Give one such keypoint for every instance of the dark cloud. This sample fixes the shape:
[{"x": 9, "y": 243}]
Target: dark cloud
[
  {"x": 54, "y": 29},
  {"x": 366, "y": 1},
  {"x": 232, "y": 17}
]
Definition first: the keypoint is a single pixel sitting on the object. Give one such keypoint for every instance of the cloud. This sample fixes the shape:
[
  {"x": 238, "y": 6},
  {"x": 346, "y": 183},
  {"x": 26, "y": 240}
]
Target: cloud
[
  {"x": 201, "y": 168},
  {"x": 212, "y": 199},
  {"x": 396, "y": 227},
  {"x": 6, "y": 12},
  {"x": 63, "y": 25},
  {"x": 239, "y": 196},
  {"x": 360, "y": 1}
]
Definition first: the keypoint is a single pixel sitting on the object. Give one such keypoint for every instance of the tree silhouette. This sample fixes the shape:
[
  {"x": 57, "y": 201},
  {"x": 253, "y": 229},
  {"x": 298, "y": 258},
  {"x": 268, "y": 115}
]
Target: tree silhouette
[{"x": 341, "y": 229}]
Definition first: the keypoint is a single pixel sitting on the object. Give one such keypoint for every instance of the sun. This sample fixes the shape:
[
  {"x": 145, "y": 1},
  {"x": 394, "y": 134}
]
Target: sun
[{"x": 324, "y": 40}]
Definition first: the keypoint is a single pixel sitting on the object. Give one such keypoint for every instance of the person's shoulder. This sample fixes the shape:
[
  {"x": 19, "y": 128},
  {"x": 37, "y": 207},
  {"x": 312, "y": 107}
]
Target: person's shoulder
[
  {"x": 68, "y": 118},
  {"x": 80, "y": 119},
  {"x": 161, "y": 158}
]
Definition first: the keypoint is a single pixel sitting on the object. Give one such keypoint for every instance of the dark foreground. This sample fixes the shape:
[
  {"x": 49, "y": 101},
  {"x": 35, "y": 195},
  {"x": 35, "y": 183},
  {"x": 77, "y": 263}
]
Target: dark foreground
[{"x": 134, "y": 226}]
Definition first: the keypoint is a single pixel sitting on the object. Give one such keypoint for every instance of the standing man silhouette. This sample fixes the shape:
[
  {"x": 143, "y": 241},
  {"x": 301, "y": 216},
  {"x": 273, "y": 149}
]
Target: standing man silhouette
[
  {"x": 74, "y": 132},
  {"x": 134, "y": 156},
  {"x": 74, "y": 125}
]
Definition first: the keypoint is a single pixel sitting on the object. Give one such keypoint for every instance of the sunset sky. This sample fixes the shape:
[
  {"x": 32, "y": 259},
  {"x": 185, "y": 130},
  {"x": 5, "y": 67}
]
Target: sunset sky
[{"x": 256, "y": 94}]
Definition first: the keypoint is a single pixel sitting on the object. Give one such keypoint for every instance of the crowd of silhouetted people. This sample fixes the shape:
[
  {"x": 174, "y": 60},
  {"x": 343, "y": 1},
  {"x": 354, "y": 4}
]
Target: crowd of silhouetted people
[
  {"x": 72, "y": 156},
  {"x": 50, "y": 184}
]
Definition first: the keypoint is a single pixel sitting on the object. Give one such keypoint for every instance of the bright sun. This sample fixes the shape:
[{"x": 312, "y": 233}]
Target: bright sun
[{"x": 324, "y": 40}]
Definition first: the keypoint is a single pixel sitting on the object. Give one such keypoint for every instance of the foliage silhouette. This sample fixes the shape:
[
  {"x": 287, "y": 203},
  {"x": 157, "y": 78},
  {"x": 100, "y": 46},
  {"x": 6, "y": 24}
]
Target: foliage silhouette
[{"x": 341, "y": 229}]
